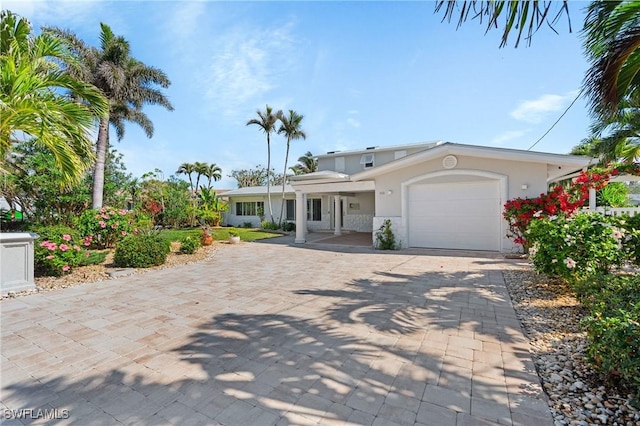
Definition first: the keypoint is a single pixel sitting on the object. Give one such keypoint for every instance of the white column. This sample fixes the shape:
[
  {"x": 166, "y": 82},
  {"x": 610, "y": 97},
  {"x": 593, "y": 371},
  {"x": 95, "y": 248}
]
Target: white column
[
  {"x": 305, "y": 214},
  {"x": 592, "y": 199},
  {"x": 301, "y": 216},
  {"x": 337, "y": 215}
]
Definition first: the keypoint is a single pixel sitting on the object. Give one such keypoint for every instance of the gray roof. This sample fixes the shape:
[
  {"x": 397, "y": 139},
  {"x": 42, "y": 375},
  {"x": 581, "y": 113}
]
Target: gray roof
[{"x": 258, "y": 190}]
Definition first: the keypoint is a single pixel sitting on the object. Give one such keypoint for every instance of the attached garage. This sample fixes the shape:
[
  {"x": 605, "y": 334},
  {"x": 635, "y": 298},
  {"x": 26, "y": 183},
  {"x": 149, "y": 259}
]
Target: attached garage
[{"x": 455, "y": 215}]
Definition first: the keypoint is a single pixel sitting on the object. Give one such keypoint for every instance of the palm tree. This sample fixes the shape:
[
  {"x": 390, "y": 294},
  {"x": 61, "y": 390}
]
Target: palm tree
[
  {"x": 521, "y": 16},
  {"x": 306, "y": 164},
  {"x": 33, "y": 99},
  {"x": 290, "y": 127},
  {"x": 127, "y": 83},
  {"x": 213, "y": 172},
  {"x": 187, "y": 169},
  {"x": 266, "y": 121},
  {"x": 612, "y": 43},
  {"x": 200, "y": 169}
]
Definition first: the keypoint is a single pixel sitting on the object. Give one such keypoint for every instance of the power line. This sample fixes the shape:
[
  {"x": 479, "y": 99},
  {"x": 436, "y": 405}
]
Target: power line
[{"x": 557, "y": 121}]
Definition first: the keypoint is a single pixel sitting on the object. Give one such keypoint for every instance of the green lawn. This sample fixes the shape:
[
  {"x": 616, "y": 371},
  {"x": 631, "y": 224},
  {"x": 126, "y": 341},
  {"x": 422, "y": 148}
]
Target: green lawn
[{"x": 219, "y": 234}]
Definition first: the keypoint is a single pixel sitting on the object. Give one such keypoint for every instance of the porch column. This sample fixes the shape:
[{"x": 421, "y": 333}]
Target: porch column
[
  {"x": 301, "y": 215},
  {"x": 592, "y": 199},
  {"x": 337, "y": 215},
  {"x": 304, "y": 216}
]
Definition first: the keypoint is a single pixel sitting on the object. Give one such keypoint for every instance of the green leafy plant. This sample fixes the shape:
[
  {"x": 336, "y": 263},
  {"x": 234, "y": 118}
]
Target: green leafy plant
[
  {"x": 613, "y": 325},
  {"x": 234, "y": 233},
  {"x": 288, "y": 226},
  {"x": 141, "y": 251},
  {"x": 385, "y": 238},
  {"x": 585, "y": 244},
  {"x": 104, "y": 227},
  {"x": 247, "y": 225},
  {"x": 267, "y": 224},
  {"x": 189, "y": 245},
  {"x": 58, "y": 250}
]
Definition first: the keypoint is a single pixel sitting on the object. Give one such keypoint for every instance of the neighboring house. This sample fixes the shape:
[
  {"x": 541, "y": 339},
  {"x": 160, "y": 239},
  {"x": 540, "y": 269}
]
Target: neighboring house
[{"x": 437, "y": 195}]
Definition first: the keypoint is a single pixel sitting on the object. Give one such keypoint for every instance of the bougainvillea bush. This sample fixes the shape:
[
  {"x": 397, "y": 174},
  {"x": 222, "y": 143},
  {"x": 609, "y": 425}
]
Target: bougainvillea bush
[{"x": 104, "y": 227}]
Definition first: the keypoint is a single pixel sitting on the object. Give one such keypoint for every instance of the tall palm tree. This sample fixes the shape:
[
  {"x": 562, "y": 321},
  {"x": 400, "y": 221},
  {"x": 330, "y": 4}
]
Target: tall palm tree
[
  {"x": 306, "y": 164},
  {"x": 213, "y": 172},
  {"x": 187, "y": 169},
  {"x": 290, "y": 127},
  {"x": 612, "y": 43},
  {"x": 266, "y": 121},
  {"x": 38, "y": 100},
  {"x": 200, "y": 169},
  {"x": 127, "y": 83}
]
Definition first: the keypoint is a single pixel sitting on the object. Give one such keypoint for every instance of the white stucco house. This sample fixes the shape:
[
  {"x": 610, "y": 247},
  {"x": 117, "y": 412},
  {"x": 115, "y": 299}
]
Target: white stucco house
[{"x": 436, "y": 194}]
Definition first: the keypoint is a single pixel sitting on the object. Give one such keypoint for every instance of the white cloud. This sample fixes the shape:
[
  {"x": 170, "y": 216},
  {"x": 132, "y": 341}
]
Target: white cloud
[
  {"x": 537, "y": 110},
  {"x": 507, "y": 136},
  {"x": 247, "y": 64}
]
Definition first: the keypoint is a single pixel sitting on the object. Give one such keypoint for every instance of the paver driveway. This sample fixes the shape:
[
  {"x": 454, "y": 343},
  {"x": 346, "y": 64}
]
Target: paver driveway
[{"x": 268, "y": 333}]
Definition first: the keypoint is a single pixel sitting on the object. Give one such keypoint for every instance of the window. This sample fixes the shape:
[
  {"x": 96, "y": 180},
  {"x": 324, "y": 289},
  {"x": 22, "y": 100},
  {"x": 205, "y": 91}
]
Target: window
[
  {"x": 367, "y": 160},
  {"x": 250, "y": 208},
  {"x": 291, "y": 210},
  {"x": 314, "y": 209}
]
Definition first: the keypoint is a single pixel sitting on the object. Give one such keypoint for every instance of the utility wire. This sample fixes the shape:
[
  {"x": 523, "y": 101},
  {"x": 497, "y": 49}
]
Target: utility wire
[{"x": 558, "y": 120}]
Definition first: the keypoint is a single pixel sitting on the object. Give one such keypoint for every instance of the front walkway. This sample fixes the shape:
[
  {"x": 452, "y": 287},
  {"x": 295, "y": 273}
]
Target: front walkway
[{"x": 276, "y": 334}]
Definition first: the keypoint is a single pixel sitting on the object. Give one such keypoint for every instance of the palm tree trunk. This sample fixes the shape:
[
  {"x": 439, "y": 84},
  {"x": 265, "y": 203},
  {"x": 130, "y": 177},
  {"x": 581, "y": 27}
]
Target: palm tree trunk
[
  {"x": 268, "y": 177},
  {"x": 98, "y": 171},
  {"x": 284, "y": 181}
]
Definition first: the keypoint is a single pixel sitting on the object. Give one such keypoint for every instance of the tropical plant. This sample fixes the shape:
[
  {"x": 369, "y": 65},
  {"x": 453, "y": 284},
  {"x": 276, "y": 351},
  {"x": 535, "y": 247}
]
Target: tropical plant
[
  {"x": 213, "y": 206},
  {"x": 200, "y": 169},
  {"x": 104, "y": 227},
  {"x": 127, "y": 83},
  {"x": 520, "y": 16},
  {"x": 307, "y": 163},
  {"x": 612, "y": 43},
  {"x": 385, "y": 238},
  {"x": 38, "y": 100},
  {"x": 187, "y": 169},
  {"x": 250, "y": 177},
  {"x": 58, "y": 250},
  {"x": 213, "y": 173},
  {"x": 266, "y": 122},
  {"x": 189, "y": 245},
  {"x": 289, "y": 127}
]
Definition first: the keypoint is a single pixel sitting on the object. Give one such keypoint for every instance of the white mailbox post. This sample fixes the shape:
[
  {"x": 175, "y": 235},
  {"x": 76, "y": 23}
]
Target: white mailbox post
[{"x": 16, "y": 261}]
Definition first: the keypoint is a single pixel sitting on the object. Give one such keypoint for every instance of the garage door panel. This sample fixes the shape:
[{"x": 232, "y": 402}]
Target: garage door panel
[{"x": 457, "y": 215}]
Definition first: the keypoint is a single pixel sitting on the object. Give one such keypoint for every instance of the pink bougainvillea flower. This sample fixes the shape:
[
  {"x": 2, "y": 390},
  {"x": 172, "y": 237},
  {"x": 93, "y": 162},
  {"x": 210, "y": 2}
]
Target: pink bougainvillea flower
[
  {"x": 65, "y": 268},
  {"x": 114, "y": 226},
  {"x": 44, "y": 243},
  {"x": 104, "y": 216},
  {"x": 66, "y": 237},
  {"x": 123, "y": 212},
  {"x": 77, "y": 248},
  {"x": 124, "y": 233},
  {"x": 50, "y": 257},
  {"x": 64, "y": 247},
  {"x": 52, "y": 246},
  {"x": 102, "y": 224}
]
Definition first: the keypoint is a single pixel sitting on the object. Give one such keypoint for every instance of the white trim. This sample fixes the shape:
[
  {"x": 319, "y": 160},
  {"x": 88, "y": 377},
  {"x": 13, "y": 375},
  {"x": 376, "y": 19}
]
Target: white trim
[
  {"x": 504, "y": 193},
  {"x": 573, "y": 162}
]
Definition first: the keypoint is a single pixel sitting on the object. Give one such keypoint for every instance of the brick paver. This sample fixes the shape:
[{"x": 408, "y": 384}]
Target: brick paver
[{"x": 270, "y": 333}]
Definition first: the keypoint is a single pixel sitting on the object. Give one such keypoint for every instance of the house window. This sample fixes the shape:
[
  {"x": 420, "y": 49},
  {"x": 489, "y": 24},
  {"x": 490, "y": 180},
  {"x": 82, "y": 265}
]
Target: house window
[
  {"x": 314, "y": 209},
  {"x": 250, "y": 208},
  {"x": 367, "y": 160},
  {"x": 291, "y": 210}
]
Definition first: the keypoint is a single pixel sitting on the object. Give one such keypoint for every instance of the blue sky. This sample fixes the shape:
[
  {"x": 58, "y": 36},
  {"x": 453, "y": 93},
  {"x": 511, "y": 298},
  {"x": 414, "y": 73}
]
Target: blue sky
[{"x": 362, "y": 73}]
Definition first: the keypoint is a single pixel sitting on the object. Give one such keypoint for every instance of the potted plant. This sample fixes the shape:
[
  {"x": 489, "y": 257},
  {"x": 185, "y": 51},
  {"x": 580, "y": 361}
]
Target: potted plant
[
  {"x": 206, "y": 239},
  {"x": 234, "y": 236}
]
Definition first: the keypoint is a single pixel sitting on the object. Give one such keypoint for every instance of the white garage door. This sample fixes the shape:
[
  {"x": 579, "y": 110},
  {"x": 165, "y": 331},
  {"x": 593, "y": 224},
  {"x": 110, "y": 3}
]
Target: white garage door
[{"x": 461, "y": 215}]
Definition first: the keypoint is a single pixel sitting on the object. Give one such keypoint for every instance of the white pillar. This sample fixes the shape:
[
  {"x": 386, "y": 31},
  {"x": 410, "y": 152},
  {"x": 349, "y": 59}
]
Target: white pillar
[
  {"x": 301, "y": 216},
  {"x": 592, "y": 199},
  {"x": 337, "y": 215},
  {"x": 305, "y": 214}
]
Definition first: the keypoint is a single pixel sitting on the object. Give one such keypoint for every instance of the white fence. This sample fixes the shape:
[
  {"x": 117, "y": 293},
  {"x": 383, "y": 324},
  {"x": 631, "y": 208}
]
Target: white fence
[{"x": 619, "y": 211}]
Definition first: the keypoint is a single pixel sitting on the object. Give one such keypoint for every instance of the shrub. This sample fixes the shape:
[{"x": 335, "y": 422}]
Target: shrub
[
  {"x": 586, "y": 244},
  {"x": 267, "y": 224},
  {"x": 189, "y": 245},
  {"x": 141, "y": 251},
  {"x": 613, "y": 325},
  {"x": 233, "y": 233},
  {"x": 288, "y": 226},
  {"x": 385, "y": 239},
  {"x": 631, "y": 242},
  {"x": 58, "y": 250},
  {"x": 104, "y": 227},
  {"x": 247, "y": 225}
]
